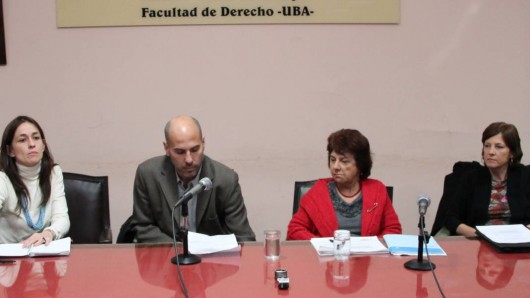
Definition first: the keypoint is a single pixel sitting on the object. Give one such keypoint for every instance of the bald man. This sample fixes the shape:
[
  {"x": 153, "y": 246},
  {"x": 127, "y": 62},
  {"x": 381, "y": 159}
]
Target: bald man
[{"x": 161, "y": 180}]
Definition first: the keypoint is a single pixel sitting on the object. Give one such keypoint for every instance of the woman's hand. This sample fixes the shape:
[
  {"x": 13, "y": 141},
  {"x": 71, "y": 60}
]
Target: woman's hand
[
  {"x": 466, "y": 230},
  {"x": 45, "y": 237}
]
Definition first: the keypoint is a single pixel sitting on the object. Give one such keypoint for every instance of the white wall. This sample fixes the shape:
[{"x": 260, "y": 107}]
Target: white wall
[{"x": 269, "y": 95}]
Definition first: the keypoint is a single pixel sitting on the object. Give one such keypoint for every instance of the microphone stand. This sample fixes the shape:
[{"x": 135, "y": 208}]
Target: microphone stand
[
  {"x": 423, "y": 237},
  {"x": 185, "y": 258}
]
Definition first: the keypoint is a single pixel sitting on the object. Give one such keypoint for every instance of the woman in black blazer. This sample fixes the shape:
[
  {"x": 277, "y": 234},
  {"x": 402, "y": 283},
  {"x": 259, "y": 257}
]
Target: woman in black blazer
[{"x": 499, "y": 191}]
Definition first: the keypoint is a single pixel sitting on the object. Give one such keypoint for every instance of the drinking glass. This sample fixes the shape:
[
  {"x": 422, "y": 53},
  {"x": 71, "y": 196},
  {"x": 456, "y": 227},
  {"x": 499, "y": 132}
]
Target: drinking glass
[
  {"x": 272, "y": 244},
  {"x": 341, "y": 244}
]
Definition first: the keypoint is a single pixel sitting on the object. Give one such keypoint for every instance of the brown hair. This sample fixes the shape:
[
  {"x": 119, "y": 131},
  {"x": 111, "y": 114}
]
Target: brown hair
[
  {"x": 509, "y": 135},
  {"x": 9, "y": 167},
  {"x": 353, "y": 142}
]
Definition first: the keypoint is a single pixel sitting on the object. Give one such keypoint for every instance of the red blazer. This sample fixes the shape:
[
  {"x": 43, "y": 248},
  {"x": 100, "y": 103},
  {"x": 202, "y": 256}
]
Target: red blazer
[{"x": 316, "y": 215}]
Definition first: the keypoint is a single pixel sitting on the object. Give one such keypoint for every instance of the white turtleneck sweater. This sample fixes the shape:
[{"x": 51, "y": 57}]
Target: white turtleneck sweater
[{"x": 13, "y": 225}]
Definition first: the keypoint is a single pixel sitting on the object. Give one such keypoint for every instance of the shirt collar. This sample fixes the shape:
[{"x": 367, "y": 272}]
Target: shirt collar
[{"x": 192, "y": 182}]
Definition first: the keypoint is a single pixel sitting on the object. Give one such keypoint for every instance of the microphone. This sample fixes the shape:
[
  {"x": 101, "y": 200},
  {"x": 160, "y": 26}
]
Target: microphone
[
  {"x": 204, "y": 184},
  {"x": 423, "y": 202}
]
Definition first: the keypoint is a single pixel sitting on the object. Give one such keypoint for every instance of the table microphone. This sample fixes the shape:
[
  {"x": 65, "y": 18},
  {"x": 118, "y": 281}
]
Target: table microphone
[
  {"x": 204, "y": 184},
  {"x": 423, "y": 238},
  {"x": 185, "y": 258},
  {"x": 423, "y": 202}
]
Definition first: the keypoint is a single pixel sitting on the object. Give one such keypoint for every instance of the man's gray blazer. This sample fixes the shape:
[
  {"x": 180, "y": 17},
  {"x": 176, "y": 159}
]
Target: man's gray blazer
[{"x": 220, "y": 210}]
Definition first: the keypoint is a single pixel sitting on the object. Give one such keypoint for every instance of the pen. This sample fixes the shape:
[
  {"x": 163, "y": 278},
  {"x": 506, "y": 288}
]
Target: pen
[{"x": 7, "y": 261}]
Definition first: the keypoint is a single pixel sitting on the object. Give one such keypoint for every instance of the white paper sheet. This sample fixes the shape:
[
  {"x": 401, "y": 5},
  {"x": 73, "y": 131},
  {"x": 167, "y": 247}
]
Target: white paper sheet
[
  {"x": 59, "y": 247},
  {"x": 359, "y": 245},
  {"x": 506, "y": 233},
  {"x": 204, "y": 244}
]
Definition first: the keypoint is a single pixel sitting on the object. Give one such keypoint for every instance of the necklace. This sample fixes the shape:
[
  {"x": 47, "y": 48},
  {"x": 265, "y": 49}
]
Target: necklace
[
  {"x": 349, "y": 197},
  {"x": 34, "y": 226}
]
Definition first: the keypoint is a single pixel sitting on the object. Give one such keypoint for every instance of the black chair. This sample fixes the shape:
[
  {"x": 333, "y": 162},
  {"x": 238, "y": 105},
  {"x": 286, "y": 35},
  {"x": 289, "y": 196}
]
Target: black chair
[
  {"x": 127, "y": 233},
  {"x": 302, "y": 187},
  {"x": 87, "y": 198},
  {"x": 451, "y": 182}
]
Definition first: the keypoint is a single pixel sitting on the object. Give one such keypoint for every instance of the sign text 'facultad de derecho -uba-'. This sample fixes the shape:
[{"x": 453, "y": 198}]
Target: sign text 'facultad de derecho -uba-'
[
  {"x": 93, "y": 13},
  {"x": 224, "y": 11}
]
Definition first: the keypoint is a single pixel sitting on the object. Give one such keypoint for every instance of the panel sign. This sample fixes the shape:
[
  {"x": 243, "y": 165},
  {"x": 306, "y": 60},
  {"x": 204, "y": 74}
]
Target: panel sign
[
  {"x": 3, "y": 58},
  {"x": 93, "y": 13}
]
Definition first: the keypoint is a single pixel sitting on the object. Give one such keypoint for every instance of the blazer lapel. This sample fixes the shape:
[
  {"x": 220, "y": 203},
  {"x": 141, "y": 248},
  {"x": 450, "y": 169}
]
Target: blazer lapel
[
  {"x": 514, "y": 190},
  {"x": 167, "y": 182}
]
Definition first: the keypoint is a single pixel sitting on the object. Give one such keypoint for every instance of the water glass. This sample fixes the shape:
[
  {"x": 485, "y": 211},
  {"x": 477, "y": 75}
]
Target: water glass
[
  {"x": 341, "y": 244},
  {"x": 272, "y": 244}
]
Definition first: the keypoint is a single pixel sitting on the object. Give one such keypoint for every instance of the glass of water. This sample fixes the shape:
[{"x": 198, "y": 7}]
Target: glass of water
[
  {"x": 272, "y": 244},
  {"x": 341, "y": 244}
]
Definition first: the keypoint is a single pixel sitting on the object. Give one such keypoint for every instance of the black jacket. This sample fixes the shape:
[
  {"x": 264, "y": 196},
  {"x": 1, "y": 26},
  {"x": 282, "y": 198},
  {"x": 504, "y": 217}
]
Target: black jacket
[{"x": 471, "y": 200}]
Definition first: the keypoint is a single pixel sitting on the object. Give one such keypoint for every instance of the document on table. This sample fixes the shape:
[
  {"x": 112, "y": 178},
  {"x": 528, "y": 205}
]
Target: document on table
[
  {"x": 204, "y": 244},
  {"x": 506, "y": 233},
  {"x": 358, "y": 245},
  {"x": 59, "y": 247},
  {"x": 407, "y": 245}
]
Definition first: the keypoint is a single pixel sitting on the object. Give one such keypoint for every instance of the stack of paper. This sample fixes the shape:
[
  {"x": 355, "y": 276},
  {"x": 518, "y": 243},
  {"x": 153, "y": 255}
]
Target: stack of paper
[
  {"x": 204, "y": 244},
  {"x": 506, "y": 233},
  {"x": 359, "y": 245},
  {"x": 59, "y": 247},
  {"x": 506, "y": 238},
  {"x": 407, "y": 245}
]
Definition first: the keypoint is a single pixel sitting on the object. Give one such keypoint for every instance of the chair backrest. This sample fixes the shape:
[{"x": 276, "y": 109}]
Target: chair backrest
[
  {"x": 302, "y": 187},
  {"x": 451, "y": 182},
  {"x": 127, "y": 234},
  {"x": 88, "y": 208}
]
